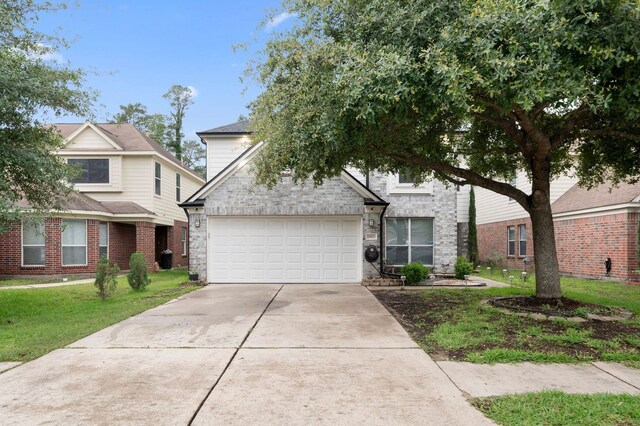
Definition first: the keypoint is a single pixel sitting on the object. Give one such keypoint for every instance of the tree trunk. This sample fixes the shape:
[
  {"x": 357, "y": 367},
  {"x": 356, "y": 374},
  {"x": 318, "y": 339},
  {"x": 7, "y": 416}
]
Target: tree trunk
[{"x": 544, "y": 240}]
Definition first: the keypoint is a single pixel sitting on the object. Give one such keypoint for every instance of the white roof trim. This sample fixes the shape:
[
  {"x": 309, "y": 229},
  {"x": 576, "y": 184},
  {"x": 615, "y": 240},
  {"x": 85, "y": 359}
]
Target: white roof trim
[
  {"x": 245, "y": 157},
  {"x": 597, "y": 211},
  {"x": 91, "y": 126}
]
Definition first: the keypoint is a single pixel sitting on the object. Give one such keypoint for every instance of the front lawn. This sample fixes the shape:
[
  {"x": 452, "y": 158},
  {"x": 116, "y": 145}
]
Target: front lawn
[
  {"x": 36, "y": 321},
  {"x": 454, "y": 325},
  {"x": 554, "y": 408},
  {"x": 608, "y": 293}
]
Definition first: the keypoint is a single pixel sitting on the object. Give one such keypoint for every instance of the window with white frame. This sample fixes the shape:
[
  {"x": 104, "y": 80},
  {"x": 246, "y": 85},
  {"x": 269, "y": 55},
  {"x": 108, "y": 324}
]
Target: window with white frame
[
  {"x": 74, "y": 242},
  {"x": 33, "y": 237},
  {"x": 184, "y": 241},
  {"x": 178, "y": 187},
  {"x": 104, "y": 239},
  {"x": 409, "y": 240},
  {"x": 158, "y": 179},
  {"x": 513, "y": 182},
  {"x": 522, "y": 240},
  {"x": 404, "y": 183},
  {"x": 511, "y": 240},
  {"x": 94, "y": 170}
]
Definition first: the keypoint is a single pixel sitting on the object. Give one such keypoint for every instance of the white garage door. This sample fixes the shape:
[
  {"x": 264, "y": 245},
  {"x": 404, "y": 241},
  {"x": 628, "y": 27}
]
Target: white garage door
[{"x": 285, "y": 249}]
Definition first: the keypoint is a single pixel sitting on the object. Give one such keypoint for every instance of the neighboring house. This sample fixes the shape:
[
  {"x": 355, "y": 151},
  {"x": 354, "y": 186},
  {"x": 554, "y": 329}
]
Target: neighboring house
[
  {"x": 127, "y": 201},
  {"x": 590, "y": 226},
  {"x": 240, "y": 232}
]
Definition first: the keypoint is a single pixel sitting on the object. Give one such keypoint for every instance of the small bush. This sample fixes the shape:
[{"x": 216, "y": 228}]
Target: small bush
[
  {"x": 106, "y": 278},
  {"x": 463, "y": 267},
  {"x": 415, "y": 272},
  {"x": 137, "y": 276}
]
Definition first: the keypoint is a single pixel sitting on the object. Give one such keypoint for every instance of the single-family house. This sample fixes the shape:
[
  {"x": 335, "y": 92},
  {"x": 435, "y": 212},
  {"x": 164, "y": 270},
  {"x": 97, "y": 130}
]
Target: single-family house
[
  {"x": 126, "y": 201},
  {"x": 591, "y": 225},
  {"x": 348, "y": 228}
]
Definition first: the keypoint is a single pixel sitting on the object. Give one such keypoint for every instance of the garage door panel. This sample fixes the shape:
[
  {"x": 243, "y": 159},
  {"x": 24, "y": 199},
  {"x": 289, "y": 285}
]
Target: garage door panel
[{"x": 273, "y": 249}]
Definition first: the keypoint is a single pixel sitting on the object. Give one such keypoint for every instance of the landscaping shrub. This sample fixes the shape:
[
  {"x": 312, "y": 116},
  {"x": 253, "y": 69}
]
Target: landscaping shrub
[
  {"x": 106, "y": 278},
  {"x": 415, "y": 272},
  {"x": 463, "y": 267},
  {"x": 137, "y": 277}
]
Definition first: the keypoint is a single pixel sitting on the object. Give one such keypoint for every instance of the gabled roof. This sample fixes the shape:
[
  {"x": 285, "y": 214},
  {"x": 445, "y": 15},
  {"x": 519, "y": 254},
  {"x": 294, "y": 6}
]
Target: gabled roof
[
  {"x": 238, "y": 128},
  {"x": 126, "y": 136},
  {"x": 580, "y": 198},
  {"x": 197, "y": 199}
]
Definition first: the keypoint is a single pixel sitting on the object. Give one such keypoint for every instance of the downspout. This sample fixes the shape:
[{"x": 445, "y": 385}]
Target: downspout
[
  {"x": 188, "y": 240},
  {"x": 382, "y": 273}
]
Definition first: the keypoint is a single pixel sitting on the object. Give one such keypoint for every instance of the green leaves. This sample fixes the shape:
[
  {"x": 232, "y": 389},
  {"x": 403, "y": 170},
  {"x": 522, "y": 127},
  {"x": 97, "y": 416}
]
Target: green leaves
[{"x": 32, "y": 85}]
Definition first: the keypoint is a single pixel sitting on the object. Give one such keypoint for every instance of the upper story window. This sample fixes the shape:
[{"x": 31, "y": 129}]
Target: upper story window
[
  {"x": 158, "y": 179},
  {"x": 94, "y": 170},
  {"x": 513, "y": 182},
  {"x": 404, "y": 183},
  {"x": 178, "y": 187},
  {"x": 33, "y": 244}
]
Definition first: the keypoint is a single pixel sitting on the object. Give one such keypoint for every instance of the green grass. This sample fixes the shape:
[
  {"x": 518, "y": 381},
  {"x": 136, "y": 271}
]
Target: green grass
[
  {"x": 36, "y": 321},
  {"x": 454, "y": 325},
  {"x": 11, "y": 282},
  {"x": 607, "y": 293},
  {"x": 553, "y": 408}
]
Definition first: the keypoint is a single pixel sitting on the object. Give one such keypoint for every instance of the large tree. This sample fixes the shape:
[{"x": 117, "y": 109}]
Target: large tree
[
  {"x": 180, "y": 98},
  {"x": 539, "y": 85},
  {"x": 34, "y": 84},
  {"x": 153, "y": 125}
]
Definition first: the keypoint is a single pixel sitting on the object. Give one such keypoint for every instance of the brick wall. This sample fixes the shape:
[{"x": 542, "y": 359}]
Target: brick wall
[
  {"x": 492, "y": 243},
  {"x": 585, "y": 243},
  {"x": 582, "y": 244},
  {"x": 175, "y": 244},
  {"x": 122, "y": 243},
  {"x": 11, "y": 249},
  {"x": 146, "y": 242}
]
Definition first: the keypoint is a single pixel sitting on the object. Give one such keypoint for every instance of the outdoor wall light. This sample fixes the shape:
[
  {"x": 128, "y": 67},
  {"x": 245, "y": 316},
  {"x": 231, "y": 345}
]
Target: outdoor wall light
[
  {"x": 197, "y": 223},
  {"x": 371, "y": 222}
]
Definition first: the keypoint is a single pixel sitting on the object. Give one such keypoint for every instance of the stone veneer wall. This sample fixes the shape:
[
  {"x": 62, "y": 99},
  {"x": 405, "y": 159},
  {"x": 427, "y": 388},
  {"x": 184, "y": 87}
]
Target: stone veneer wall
[
  {"x": 238, "y": 196},
  {"x": 441, "y": 205}
]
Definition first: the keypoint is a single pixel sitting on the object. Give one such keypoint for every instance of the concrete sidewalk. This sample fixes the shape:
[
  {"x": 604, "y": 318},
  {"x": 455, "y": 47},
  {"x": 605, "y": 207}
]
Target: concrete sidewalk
[
  {"x": 242, "y": 354},
  {"x": 482, "y": 380},
  {"x": 47, "y": 285}
]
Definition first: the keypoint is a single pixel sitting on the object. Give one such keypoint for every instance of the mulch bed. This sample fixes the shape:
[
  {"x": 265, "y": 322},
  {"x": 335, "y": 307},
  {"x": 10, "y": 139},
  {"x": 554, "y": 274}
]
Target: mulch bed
[{"x": 420, "y": 313}]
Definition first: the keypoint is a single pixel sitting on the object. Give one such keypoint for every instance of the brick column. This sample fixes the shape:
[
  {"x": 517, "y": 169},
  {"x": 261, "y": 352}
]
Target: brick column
[{"x": 145, "y": 242}]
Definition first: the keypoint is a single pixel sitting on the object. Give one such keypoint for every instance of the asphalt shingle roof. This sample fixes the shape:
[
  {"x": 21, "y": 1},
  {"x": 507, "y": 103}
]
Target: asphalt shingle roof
[
  {"x": 239, "y": 127},
  {"x": 580, "y": 198}
]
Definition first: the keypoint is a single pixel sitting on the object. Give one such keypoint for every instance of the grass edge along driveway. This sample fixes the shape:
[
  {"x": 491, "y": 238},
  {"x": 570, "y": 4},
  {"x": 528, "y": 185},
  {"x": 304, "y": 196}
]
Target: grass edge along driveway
[{"x": 34, "y": 322}]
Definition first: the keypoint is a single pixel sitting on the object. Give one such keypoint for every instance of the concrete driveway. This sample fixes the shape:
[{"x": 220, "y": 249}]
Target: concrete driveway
[{"x": 242, "y": 354}]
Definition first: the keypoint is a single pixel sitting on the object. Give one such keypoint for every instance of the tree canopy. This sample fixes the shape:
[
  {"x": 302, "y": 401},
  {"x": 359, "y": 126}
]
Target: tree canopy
[
  {"x": 33, "y": 85},
  {"x": 467, "y": 90}
]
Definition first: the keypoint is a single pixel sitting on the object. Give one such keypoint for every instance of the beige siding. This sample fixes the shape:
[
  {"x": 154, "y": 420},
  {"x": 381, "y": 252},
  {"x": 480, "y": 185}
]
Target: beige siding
[
  {"x": 221, "y": 151},
  {"x": 463, "y": 204},
  {"x": 492, "y": 207},
  {"x": 89, "y": 139},
  {"x": 137, "y": 183},
  {"x": 165, "y": 206}
]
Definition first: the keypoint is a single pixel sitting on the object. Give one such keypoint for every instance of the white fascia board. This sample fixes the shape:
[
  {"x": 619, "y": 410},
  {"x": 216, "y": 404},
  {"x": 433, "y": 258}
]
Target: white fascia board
[
  {"x": 598, "y": 211},
  {"x": 358, "y": 187}
]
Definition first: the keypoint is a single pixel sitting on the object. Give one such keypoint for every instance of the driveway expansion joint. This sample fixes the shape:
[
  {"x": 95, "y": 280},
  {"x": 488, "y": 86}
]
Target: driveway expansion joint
[{"x": 235, "y": 352}]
